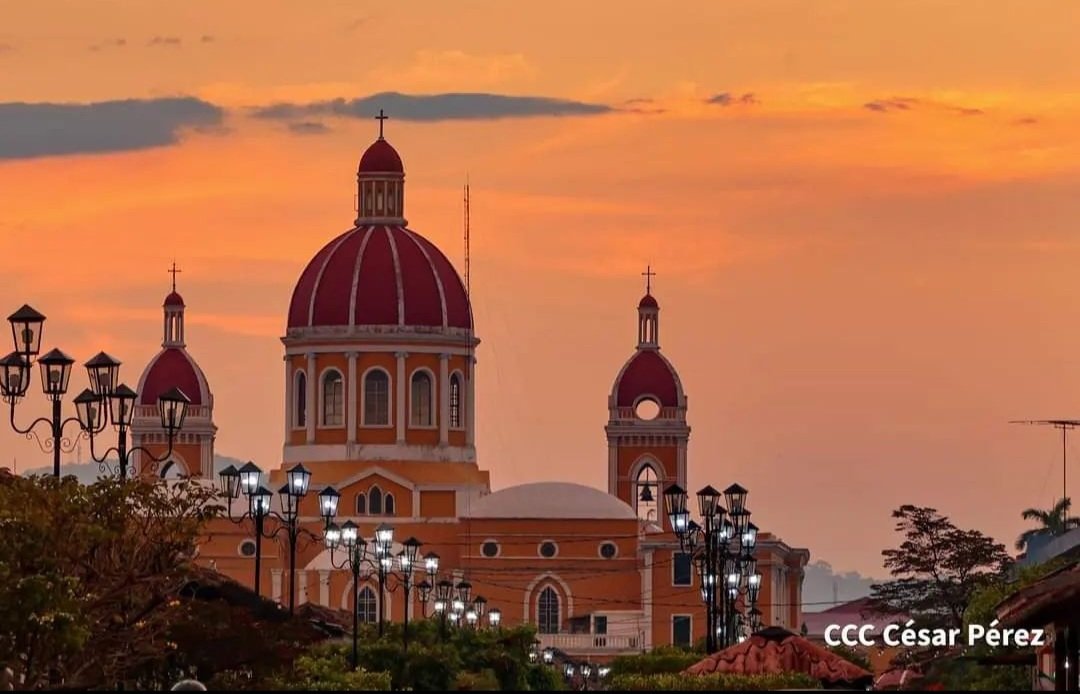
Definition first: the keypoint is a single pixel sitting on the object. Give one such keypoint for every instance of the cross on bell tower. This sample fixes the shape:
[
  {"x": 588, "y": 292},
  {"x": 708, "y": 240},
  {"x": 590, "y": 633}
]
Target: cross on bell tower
[
  {"x": 648, "y": 275},
  {"x": 381, "y": 118},
  {"x": 174, "y": 271}
]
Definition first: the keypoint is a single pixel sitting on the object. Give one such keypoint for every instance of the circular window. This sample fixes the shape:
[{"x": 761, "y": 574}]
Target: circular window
[
  {"x": 247, "y": 548},
  {"x": 647, "y": 409},
  {"x": 548, "y": 549},
  {"x": 490, "y": 549},
  {"x": 608, "y": 550}
]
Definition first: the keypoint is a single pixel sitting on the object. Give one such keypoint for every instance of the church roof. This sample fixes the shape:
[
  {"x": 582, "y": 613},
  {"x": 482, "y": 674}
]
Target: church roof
[
  {"x": 648, "y": 373},
  {"x": 380, "y": 275},
  {"x": 173, "y": 367},
  {"x": 551, "y": 500},
  {"x": 381, "y": 157}
]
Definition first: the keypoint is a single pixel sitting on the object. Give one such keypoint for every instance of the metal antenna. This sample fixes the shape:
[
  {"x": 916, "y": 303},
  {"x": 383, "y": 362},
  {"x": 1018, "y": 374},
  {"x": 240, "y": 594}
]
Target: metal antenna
[
  {"x": 467, "y": 287},
  {"x": 1065, "y": 425}
]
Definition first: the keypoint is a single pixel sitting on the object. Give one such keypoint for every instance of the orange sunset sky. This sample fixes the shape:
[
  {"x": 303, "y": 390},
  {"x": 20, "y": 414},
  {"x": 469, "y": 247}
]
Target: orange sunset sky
[{"x": 863, "y": 216}]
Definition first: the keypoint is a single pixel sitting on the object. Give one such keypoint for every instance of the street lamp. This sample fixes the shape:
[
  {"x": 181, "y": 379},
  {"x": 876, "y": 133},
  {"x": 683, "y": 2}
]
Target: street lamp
[
  {"x": 103, "y": 402},
  {"x": 722, "y": 547},
  {"x": 355, "y": 549},
  {"x": 246, "y": 481}
]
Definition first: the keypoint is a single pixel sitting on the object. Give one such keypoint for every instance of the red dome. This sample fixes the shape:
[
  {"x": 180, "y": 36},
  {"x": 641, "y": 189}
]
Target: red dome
[
  {"x": 173, "y": 367},
  {"x": 648, "y": 373},
  {"x": 648, "y": 301},
  {"x": 381, "y": 157},
  {"x": 174, "y": 299},
  {"x": 380, "y": 275}
]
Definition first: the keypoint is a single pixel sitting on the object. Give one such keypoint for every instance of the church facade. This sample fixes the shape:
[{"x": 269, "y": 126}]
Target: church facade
[{"x": 380, "y": 377}]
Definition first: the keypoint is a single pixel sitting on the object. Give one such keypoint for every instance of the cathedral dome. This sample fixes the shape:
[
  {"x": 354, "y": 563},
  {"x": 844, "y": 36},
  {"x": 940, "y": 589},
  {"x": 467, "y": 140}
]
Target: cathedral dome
[
  {"x": 648, "y": 301},
  {"x": 551, "y": 500},
  {"x": 380, "y": 275},
  {"x": 175, "y": 300}
]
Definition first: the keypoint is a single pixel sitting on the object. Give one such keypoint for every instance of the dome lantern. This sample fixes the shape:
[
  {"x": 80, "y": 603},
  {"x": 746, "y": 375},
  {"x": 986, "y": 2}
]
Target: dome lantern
[{"x": 380, "y": 180}]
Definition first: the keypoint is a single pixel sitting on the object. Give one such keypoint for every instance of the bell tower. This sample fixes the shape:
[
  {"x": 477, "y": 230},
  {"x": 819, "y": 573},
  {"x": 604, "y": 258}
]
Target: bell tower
[{"x": 647, "y": 431}]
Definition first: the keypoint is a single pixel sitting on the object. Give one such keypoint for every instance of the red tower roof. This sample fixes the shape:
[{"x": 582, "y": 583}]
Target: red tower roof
[
  {"x": 174, "y": 299},
  {"x": 647, "y": 373},
  {"x": 381, "y": 157},
  {"x": 380, "y": 275},
  {"x": 173, "y": 367},
  {"x": 648, "y": 301}
]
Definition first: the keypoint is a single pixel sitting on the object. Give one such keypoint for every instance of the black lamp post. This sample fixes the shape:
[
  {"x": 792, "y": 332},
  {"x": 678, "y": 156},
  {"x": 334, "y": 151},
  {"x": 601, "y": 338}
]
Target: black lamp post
[
  {"x": 723, "y": 550},
  {"x": 96, "y": 407},
  {"x": 355, "y": 548},
  {"x": 246, "y": 480}
]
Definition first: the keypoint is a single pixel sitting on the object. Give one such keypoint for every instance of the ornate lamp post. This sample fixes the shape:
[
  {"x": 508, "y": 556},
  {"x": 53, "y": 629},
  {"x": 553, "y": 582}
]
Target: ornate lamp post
[
  {"x": 722, "y": 547},
  {"x": 401, "y": 578},
  {"x": 96, "y": 407},
  {"x": 246, "y": 480}
]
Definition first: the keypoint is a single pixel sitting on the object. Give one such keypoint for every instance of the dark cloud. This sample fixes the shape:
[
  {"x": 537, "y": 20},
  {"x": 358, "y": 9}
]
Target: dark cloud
[
  {"x": 46, "y": 129},
  {"x": 207, "y": 38},
  {"x": 170, "y": 41},
  {"x": 308, "y": 127},
  {"x": 109, "y": 43},
  {"x": 729, "y": 99},
  {"x": 1029, "y": 120},
  {"x": 907, "y": 103},
  {"x": 631, "y": 102},
  {"x": 435, "y": 107}
]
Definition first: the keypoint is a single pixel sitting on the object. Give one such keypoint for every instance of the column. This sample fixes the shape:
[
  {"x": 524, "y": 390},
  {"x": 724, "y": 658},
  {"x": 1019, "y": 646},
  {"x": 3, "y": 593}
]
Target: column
[
  {"x": 301, "y": 587},
  {"x": 324, "y": 588},
  {"x": 402, "y": 380},
  {"x": 289, "y": 397},
  {"x": 444, "y": 399},
  {"x": 352, "y": 408},
  {"x": 470, "y": 401},
  {"x": 647, "y": 598},
  {"x": 312, "y": 406},
  {"x": 275, "y": 585}
]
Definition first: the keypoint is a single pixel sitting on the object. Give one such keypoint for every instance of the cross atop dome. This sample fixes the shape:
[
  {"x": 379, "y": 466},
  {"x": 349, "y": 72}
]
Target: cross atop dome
[
  {"x": 648, "y": 275},
  {"x": 381, "y": 118},
  {"x": 174, "y": 271}
]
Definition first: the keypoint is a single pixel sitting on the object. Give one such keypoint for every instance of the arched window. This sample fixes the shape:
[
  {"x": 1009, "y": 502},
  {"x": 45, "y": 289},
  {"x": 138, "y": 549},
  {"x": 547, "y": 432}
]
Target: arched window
[
  {"x": 547, "y": 619},
  {"x": 388, "y": 504},
  {"x": 361, "y": 504},
  {"x": 455, "y": 402},
  {"x": 375, "y": 500},
  {"x": 366, "y": 606},
  {"x": 377, "y": 398},
  {"x": 646, "y": 494},
  {"x": 333, "y": 399},
  {"x": 421, "y": 400},
  {"x": 300, "y": 399}
]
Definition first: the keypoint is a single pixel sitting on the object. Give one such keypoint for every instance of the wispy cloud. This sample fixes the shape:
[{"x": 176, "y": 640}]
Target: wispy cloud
[
  {"x": 29, "y": 130},
  {"x": 6, "y": 47},
  {"x": 908, "y": 103},
  {"x": 1028, "y": 120},
  {"x": 109, "y": 43},
  {"x": 166, "y": 41},
  {"x": 207, "y": 38},
  {"x": 308, "y": 127},
  {"x": 435, "y": 107},
  {"x": 729, "y": 99}
]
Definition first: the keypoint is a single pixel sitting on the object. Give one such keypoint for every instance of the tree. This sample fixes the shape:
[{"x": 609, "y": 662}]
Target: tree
[
  {"x": 937, "y": 568},
  {"x": 87, "y": 574},
  {"x": 1053, "y": 522}
]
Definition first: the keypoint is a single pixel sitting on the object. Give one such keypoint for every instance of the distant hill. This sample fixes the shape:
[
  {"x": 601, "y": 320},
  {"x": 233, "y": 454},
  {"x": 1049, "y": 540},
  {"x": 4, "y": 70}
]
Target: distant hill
[
  {"x": 823, "y": 587},
  {"x": 89, "y": 472}
]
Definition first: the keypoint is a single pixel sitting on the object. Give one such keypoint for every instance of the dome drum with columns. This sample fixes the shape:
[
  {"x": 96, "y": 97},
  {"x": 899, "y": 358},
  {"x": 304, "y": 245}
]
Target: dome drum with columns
[{"x": 380, "y": 404}]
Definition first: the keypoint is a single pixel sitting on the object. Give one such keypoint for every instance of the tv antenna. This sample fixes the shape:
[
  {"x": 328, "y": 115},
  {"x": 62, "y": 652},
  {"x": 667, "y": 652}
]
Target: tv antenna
[
  {"x": 467, "y": 288},
  {"x": 1065, "y": 425}
]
